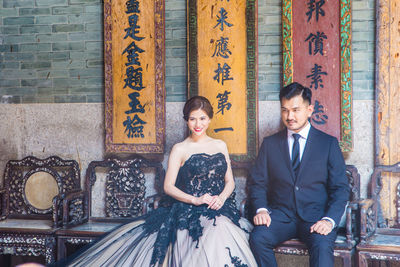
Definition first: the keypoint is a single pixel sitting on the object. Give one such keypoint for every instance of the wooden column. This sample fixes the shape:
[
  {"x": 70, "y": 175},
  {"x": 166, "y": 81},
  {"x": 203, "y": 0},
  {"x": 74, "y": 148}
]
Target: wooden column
[{"x": 388, "y": 97}]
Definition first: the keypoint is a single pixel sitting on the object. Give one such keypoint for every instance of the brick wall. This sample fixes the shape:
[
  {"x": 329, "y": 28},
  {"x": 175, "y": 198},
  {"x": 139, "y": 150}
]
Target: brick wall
[{"x": 51, "y": 51}]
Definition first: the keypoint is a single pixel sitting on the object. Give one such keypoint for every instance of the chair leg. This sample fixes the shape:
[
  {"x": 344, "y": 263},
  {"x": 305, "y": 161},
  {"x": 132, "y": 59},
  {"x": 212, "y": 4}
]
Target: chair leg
[
  {"x": 6, "y": 260},
  {"x": 347, "y": 260},
  {"x": 50, "y": 250},
  {"x": 362, "y": 260},
  {"x": 61, "y": 249}
]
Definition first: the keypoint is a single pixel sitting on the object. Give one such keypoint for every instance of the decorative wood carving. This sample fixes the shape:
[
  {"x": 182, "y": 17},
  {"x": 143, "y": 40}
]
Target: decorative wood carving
[
  {"x": 392, "y": 257},
  {"x": 379, "y": 239},
  {"x": 77, "y": 241},
  {"x": 65, "y": 172},
  {"x": 125, "y": 184},
  {"x": 125, "y": 189},
  {"x": 398, "y": 206},
  {"x": 15, "y": 237},
  {"x": 29, "y": 245},
  {"x": 124, "y": 197}
]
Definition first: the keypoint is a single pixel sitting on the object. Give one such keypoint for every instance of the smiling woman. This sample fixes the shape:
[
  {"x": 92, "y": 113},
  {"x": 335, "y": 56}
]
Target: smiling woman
[
  {"x": 198, "y": 122},
  {"x": 198, "y": 113},
  {"x": 198, "y": 223}
]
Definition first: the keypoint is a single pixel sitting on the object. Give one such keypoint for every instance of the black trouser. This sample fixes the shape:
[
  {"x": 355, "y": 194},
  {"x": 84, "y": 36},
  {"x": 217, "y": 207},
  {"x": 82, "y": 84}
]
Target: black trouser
[{"x": 264, "y": 239}]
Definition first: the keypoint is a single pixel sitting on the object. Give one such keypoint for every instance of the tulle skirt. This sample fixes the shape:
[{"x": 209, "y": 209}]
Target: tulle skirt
[{"x": 222, "y": 243}]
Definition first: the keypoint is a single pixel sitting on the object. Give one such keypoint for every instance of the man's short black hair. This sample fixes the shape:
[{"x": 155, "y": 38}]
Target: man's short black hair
[{"x": 295, "y": 89}]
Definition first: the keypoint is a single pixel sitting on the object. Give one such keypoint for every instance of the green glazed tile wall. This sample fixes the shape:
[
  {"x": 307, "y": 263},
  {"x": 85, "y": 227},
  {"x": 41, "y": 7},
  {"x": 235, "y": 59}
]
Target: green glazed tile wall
[{"x": 51, "y": 51}]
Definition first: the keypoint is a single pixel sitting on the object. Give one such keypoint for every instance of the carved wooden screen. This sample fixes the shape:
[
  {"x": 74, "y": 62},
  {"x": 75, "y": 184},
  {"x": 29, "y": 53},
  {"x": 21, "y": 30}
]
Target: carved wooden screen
[
  {"x": 317, "y": 54},
  {"x": 222, "y": 63},
  {"x": 134, "y": 35}
]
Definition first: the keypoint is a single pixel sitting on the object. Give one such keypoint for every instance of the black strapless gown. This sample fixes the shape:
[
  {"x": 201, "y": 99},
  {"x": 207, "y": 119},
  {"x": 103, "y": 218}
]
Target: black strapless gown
[{"x": 180, "y": 234}]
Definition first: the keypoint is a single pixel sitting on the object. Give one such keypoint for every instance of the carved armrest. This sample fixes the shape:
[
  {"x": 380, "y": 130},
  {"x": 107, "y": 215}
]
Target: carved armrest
[
  {"x": 151, "y": 203},
  {"x": 368, "y": 218},
  {"x": 56, "y": 209},
  {"x": 3, "y": 215},
  {"x": 352, "y": 222},
  {"x": 75, "y": 208},
  {"x": 58, "y": 203}
]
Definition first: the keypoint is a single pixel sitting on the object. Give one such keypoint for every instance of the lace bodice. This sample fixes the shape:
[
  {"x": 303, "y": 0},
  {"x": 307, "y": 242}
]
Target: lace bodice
[{"x": 201, "y": 173}]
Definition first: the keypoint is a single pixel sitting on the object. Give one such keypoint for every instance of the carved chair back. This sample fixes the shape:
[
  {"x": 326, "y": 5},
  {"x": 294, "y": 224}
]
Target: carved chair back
[
  {"x": 125, "y": 186},
  {"x": 354, "y": 182},
  {"x": 375, "y": 189},
  {"x": 380, "y": 235},
  {"x": 34, "y": 188},
  {"x": 398, "y": 205}
]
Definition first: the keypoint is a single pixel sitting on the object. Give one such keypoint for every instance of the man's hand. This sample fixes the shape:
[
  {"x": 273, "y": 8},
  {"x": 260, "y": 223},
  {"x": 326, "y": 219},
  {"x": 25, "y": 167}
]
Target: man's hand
[
  {"x": 262, "y": 218},
  {"x": 322, "y": 227}
]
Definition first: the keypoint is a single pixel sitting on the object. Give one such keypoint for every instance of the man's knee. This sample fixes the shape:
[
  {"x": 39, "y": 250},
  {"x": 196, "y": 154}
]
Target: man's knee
[
  {"x": 322, "y": 243},
  {"x": 321, "y": 251},
  {"x": 261, "y": 236}
]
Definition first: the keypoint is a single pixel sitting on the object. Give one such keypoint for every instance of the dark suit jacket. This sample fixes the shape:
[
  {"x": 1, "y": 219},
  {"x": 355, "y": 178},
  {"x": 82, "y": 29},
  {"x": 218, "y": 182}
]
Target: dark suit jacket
[{"x": 320, "y": 189}]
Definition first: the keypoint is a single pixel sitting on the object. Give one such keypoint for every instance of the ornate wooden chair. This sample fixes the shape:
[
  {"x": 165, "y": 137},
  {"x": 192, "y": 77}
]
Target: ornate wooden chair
[
  {"x": 121, "y": 197},
  {"x": 31, "y": 204},
  {"x": 380, "y": 240},
  {"x": 348, "y": 233}
]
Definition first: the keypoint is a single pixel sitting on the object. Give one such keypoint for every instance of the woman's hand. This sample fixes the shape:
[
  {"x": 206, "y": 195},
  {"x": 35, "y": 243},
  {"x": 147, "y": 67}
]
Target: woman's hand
[
  {"x": 216, "y": 202},
  {"x": 204, "y": 199}
]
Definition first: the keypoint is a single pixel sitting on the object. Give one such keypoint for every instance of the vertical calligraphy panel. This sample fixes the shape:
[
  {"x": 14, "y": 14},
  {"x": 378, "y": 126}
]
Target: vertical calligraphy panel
[
  {"x": 306, "y": 56},
  {"x": 317, "y": 54},
  {"x": 134, "y": 73},
  {"x": 223, "y": 67}
]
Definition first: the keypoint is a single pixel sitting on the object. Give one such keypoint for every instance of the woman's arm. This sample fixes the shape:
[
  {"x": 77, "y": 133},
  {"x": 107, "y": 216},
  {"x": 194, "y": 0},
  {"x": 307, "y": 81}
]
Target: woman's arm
[{"x": 174, "y": 163}]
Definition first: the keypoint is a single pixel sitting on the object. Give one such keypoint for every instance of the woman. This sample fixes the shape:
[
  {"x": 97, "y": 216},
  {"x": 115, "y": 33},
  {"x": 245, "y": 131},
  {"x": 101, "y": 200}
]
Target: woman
[{"x": 199, "y": 225}]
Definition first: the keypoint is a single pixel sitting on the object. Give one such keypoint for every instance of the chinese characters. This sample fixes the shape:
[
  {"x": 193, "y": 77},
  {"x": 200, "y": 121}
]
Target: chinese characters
[
  {"x": 315, "y": 52},
  {"x": 315, "y": 6},
  {"x": 223, "y": 70},
  {"x": 133, "y": 124}
]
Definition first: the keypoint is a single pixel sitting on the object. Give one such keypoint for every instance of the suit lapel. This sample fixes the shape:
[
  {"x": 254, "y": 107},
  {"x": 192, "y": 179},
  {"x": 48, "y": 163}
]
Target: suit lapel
[
  {"x": 285, "y": 152},
  {"x": 307, "y": 149}
]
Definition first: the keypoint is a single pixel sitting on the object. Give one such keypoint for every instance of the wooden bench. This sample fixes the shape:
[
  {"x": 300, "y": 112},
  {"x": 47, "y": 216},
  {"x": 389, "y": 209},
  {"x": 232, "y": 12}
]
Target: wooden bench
[
  {"x": 31, "y": 209},
  {"x": 378, "y": 240},
  {"x": 348, "y": 236},
  {"x": 123, "y": 199}
]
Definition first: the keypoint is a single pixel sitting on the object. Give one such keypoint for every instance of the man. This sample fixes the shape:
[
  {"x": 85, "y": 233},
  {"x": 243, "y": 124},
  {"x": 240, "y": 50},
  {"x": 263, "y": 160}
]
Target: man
[{"x": 299, "y": 188}]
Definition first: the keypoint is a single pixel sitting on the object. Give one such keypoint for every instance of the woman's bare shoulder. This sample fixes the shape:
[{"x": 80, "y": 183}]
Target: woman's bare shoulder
[
  {"x": 179, "y": 147},
  {"x": 218, "y": 142}
]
